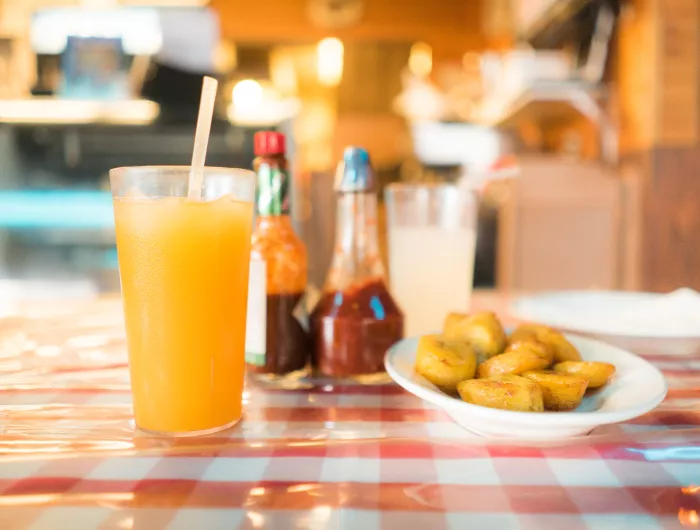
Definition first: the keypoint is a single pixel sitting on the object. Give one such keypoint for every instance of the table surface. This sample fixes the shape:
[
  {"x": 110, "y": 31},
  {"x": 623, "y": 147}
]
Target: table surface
[{"x": 321, "y": 458}]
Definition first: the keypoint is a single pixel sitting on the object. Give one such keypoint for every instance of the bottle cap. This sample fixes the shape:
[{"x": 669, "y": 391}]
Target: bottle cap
[
  {"x": 355, "y": 173},
  {"x": 268, "y": 143}
]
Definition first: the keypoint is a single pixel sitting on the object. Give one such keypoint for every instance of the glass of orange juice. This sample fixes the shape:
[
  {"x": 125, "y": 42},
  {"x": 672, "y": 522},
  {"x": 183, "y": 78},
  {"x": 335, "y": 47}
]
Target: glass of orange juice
[{"x": 184, "y": 267}]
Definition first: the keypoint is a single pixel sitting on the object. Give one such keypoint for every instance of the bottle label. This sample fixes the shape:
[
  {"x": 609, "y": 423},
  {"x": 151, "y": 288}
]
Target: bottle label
[
  {"x": 272, "y": 191},
  {"x": 256, "y": 324}
]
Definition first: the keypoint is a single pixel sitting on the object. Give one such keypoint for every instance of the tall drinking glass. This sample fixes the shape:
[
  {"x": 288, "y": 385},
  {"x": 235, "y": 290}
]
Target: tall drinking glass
[
  {"x": 184, "y": 274},
  {"x": 432, "y": 239}
]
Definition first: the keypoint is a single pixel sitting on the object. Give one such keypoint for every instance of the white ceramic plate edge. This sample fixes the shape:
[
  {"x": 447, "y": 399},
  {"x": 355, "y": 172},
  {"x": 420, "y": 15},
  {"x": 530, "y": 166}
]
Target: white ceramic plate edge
[
  {"x": 533, "y": 419},
  {"x": 520, "y": 309}
]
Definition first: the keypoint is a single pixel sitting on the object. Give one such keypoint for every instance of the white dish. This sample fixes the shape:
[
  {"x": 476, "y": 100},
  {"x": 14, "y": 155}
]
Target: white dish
[
  {"x": 630, "y": 314},
  {"x": 636, "y": 388}
]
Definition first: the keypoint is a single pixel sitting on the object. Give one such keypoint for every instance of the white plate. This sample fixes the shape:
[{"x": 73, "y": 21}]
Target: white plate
[
  {"x": 630, "y": 314},
  {"x": 636, "y": 388}
]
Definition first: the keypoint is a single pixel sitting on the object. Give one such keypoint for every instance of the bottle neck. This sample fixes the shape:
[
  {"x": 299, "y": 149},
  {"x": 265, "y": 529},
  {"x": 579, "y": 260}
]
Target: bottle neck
[
  {"x": 272, "y": 191},
  {"x": 356, "y": 253}
]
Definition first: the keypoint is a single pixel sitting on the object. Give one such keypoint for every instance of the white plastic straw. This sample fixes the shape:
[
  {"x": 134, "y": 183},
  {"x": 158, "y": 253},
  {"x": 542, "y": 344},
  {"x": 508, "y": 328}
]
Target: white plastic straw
[{"x": 201, "y": 137}]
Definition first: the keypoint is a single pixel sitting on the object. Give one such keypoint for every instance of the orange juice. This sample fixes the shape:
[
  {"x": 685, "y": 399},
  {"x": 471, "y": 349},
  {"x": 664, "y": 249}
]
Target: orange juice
[{"x": 184, "y": 273}]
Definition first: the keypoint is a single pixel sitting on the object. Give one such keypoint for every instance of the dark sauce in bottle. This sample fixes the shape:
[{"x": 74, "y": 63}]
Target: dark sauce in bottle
[
  {"x": 288, "y": 344},
  {"x": 353, "y": 329}
]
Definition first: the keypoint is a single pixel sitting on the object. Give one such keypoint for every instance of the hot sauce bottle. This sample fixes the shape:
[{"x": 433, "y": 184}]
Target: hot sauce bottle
[
  {"x": 277, "y": 342},
  {"x": 356, "y": 319}
]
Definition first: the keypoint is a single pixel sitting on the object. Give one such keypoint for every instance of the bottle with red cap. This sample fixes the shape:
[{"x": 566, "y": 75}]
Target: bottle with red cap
[{"x": 277, "y": 339}]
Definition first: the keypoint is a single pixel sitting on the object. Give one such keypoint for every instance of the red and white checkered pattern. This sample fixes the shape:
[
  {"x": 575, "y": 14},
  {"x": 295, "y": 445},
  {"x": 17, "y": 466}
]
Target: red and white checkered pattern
[{"x": 321, "y": 458}]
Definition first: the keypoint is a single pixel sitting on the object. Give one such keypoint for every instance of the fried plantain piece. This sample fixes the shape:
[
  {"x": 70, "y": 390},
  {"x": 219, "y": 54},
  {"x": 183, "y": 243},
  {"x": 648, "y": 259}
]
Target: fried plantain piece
[
  {"x": 508, "y": 392},
  {"x": 513, "y": 362},
  {"x": 532, "y": 345},
  {"x": 597, "y": 373},
  {"x": 563, "y": 349},
  {"x": 561, "y": 392},
  {"x": 445, "y": 362},
  {"x": 483, "y": 330}
]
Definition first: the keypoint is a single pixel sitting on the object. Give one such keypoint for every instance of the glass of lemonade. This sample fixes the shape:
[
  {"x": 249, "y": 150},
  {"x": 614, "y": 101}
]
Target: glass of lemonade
[
  {"x": 431, "y": 241},
  {"x": 184, "y": 268}
]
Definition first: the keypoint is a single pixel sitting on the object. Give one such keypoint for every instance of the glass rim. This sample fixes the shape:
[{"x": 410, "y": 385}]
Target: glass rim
[
  {"x": 420, "y": 185},
  {"x": 397, "y": 189},
  {"x": 183, "y": 168}
]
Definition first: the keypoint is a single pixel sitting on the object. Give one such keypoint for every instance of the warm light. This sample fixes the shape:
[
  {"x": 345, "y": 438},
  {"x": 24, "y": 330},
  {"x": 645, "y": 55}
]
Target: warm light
[
  {"x": 322, "y": 512},
  {"x": 420, "y": 61},
  {"x": 268, "y": 111},
  {"x": 225, "y": 56},
  {"x": 329, "y": 61},
  {"x": 689, "y": 518},
  {"x": 51, "y": 110},
  {"x": 300, "y": 488},
  {"x": 49, "y": 498},
  {"x": 48, "y": 350},
  {"x": 167, "y": 3},
  {"x": 691, "y": 490},
  {"x": 256, "y": 519},
  {"x": 247, "y": 94},
  {"x": 471, "y": 62},
  {"x": 99, "y": 3},
  {"x": 284, "y": 76},
  {"x": 127, "y": 523}
]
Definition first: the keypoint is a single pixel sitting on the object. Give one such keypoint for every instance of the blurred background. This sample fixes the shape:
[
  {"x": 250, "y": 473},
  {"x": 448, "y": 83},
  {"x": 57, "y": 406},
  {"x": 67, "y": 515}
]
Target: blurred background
[{"x": 598, "y": 100}]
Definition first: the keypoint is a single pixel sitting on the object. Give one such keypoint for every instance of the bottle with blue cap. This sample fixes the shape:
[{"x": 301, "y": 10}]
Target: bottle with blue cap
[{"x": 356, "y": 319}]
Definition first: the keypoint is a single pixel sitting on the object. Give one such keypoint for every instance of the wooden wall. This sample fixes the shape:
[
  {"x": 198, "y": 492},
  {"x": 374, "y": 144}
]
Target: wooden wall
[
  {"x": 659, "y": 95},
  {"x": 450, "y": 26},
  {"x": 376, "y": 51}
]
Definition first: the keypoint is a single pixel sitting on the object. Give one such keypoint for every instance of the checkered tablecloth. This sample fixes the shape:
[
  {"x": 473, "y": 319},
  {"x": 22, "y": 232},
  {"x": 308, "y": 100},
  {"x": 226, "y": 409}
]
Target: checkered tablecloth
[{"x": 326, "y": 457}]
